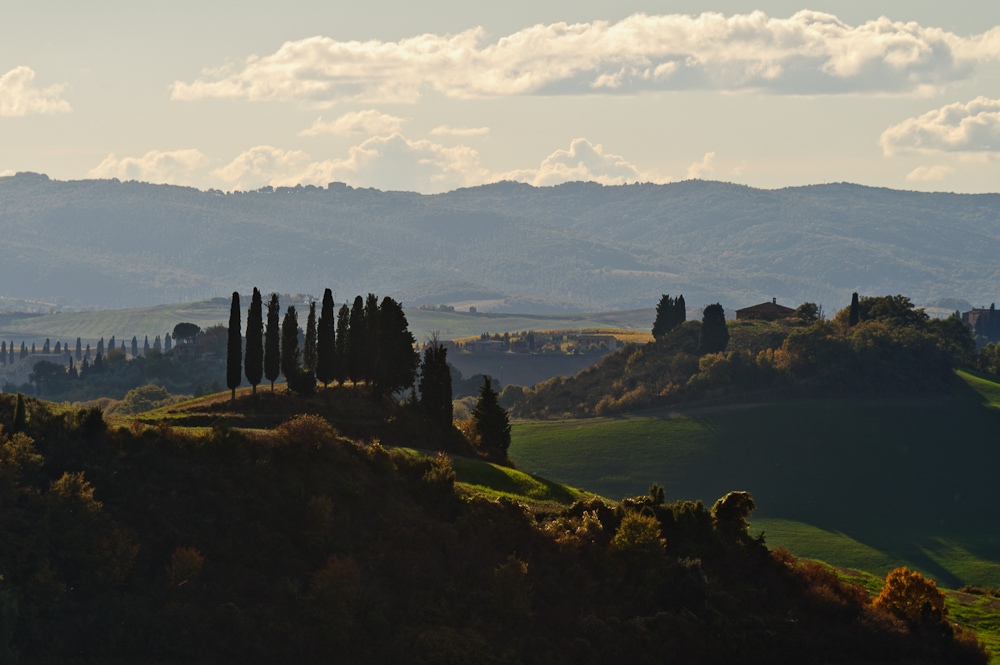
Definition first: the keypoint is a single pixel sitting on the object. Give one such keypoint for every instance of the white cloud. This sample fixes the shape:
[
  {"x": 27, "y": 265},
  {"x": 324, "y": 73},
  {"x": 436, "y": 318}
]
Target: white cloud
[
  {"x": 702, "y": 168},
  {"x": 924, "y": 173},
  {"x": 175, "y": 167},
  {"x": 19, "y": 96},
  {"x": 808, "y": 53},
  {"x": 445, "y": 130},
  {"x": 386, "y": 162},
  {"x": 356, "y": 122},
  {"x": 583, "y": 161},
  {"x": 972, "y": 127}
]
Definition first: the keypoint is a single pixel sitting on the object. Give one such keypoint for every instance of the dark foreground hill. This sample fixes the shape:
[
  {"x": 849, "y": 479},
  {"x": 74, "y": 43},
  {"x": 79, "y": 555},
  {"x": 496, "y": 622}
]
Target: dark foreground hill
[
  {"x": 296, "y": 544},
  {"x": 579, "y": 245}
]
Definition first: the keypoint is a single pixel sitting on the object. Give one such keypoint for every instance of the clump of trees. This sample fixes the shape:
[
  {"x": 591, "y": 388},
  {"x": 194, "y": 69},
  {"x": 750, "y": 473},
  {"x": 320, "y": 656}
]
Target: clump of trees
[{"x": 893, "y": 347}]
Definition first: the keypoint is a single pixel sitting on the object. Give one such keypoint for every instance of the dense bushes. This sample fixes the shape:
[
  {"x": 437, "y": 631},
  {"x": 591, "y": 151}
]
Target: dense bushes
[{"x": 299, "y": 544}]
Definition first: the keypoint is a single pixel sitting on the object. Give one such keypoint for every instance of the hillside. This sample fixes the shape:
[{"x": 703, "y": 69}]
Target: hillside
[
  {"x": 865, "y": 483},
  {"x": 573, "y": 247},
  {"x": 296, "y": 541}
]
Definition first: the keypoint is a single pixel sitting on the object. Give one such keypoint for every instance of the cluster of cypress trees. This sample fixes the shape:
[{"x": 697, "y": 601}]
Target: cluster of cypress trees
[
  {"x": 670, "y": 313},
  {"x": 369, "y": 342}
]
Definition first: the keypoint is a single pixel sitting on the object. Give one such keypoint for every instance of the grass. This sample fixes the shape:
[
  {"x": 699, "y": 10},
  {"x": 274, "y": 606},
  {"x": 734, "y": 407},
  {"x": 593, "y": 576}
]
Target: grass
[
  {"x": 499, "y": 481},
  {"x": 870, "y": 484}
]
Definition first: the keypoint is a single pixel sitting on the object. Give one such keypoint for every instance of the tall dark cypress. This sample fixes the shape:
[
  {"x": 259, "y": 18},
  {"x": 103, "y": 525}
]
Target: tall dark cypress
[
  {"x": 135, "y": 346},
  {"x": 79, "y": 350},
  {"x": 326, "y": 341},
  {"x": 343, "y": 334},
  {"x": 253, "y": 362},
  {"x": 714, "y": 332},
  {"x": 272, "y": 342},
  {"x": 854, "y": 315},
  {"x": 145, "y": 347},
  {"x": 680, "y": 310},
  {"x": 234, "y": 348},
  {"x": 20, "y": 415},
  {"x": 3, "y": 353},
  {"x": 664, "y": 322},
  {"x": 396, "y": 364},
  {"x": 490, "y": 420},
  {"x": 309, "y": 348},
  {"x": 435, "y": 385},
  {"x": 290, "y": 344},
  {"x": 371, "y": 346},
  {"x": 356, "y": 342}
]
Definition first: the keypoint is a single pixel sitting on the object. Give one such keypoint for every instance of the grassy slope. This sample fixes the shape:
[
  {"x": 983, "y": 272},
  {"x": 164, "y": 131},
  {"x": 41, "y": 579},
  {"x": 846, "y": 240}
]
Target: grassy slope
[
  {"x": 160, "y": 319},
  {"x": 863, "y": 484}
]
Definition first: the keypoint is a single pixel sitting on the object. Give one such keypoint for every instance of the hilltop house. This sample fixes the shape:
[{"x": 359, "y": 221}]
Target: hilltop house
[
  {"x": 597, "y": 342},
  {"x": 766, "y": 311}
]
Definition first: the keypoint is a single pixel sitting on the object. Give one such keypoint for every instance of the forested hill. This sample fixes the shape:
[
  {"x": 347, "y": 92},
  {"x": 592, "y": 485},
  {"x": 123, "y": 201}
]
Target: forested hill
[{"x": 581, "y": 245}]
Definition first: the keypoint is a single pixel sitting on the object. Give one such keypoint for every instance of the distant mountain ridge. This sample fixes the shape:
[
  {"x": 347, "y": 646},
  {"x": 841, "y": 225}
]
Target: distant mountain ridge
[{"x": 570, "y": 247}]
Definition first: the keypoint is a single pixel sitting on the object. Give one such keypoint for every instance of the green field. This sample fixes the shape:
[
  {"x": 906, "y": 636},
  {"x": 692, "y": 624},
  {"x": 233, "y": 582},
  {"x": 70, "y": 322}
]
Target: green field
[
  {"x": 867, "y": 484},
  {"x": 161, "y": 319}
]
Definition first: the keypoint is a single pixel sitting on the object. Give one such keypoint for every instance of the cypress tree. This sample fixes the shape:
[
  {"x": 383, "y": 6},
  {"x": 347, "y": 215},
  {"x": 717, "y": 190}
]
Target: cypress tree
[
  {"x": 32, "y": 348},
  {"x": 435, "y": 385},
  {"x": 290, "y": 343},
  {"x": 680, "y": 311},
  {"x": 45, "y": 347},
  {"x": 490, "y": 420},
  {"x": 272, "y": 342},
  {"x": 20, "y": 415},
  {"x": 371, "y": 344},
  {"x": 664, "y": 322},
  {"x": 3, "y": 353},
  {"x": 309, "y": 348},
  {"x": 396, "y": 364},
  {"x": 100, "y": 346},
  {"x": 79, "y": 350},
  {"x": 254, "y": 360},
  {"x": 356, "y": 341},
  {"x": 145, "y": 347},
  {"x": 58, "y": 348},
  {"x": 166, "y": 343},
  {"x": 24, "y": 351},
  {"x": 157, "y": 345},
  {"x": 135, "y": 346},
  {"x": 714, "y": 332},
  {"x": 343, "y": 334},
  {"x": 123, "y": 347},
  {"x": 326, "y": 341},
  {"x": 11, "y": 356},
  {"x": 111, "y": 345},
  {"x": 854, "y": 315},
  {"x": 87, "y": 357},
  {"x": 234, "y": 349}
]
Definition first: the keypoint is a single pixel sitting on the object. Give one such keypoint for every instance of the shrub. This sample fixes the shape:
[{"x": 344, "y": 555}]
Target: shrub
[
  {"x": 639, "y": 536},
  {"x": 185, "y": 566},
  {"x": 910, "y": 596}
]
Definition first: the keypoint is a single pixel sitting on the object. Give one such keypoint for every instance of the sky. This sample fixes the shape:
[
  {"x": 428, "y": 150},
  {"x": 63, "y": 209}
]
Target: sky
[{"x": 442, "y": 94}]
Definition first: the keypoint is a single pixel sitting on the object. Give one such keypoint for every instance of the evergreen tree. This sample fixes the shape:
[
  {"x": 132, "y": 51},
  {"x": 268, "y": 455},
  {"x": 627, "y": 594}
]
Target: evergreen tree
[
  {"x": 371, "y": 348},
  {"x": 234, "y": 348},
  {"x": 309, "y": 348},
  {"x": 79, "y": 350},
  {"x": 854, "y": 316},
  {"x": 253, "y": 362},
  {"x": 145, "y": 347},
  {"x": 326, "y": 341},
  {"x": 20, "y": 415},
  {"x": 45, "y": 348},
  {"x": 343, "y": 334},
  {"x": 490, "y": 420},
  {"x": 290, "y": 343},
  {"x": 714, "y": 332},
  {"x": 32, "y": 348},
  {"x": 3, "y": 353},
  {"x": 11, "y": 356},
  {"x": 157, "y": 345},
  {"x": 356, "y": 341},
  {"x": 272, "y": 342},
  {"x": 135, "y": 347},
  {"x": 123, "y": 347},
  {"x": 435, "y": 385},
  {"x": 98, "y": 363},
  {"x": 87, "y": 357},
  {"x": 111, "y": 345},
  {"x": 166, "y": 343},
  {"x": 100, "y": 346},
  {"x": 396, "y": 365},
  {"x": 665, "y": 313},
  {"x": 680, "y": 311},
  {"x": 58, "y": 348}
]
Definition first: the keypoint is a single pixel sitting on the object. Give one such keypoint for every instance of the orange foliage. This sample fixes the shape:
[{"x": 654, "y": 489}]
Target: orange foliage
[{"x": 909, "y": 595}]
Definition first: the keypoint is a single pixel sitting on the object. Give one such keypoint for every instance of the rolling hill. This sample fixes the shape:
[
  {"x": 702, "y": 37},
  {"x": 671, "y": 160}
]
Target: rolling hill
[{"x": 508, "y": 246}]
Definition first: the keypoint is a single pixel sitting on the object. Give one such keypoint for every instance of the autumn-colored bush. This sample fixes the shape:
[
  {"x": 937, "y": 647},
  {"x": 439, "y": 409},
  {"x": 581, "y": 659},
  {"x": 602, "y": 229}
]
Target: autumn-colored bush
[{"x": 910, "y": 596}]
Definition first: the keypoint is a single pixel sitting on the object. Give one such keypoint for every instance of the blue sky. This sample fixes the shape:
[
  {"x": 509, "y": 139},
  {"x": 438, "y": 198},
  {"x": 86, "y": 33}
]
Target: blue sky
[{"x": 436, "y": 95}]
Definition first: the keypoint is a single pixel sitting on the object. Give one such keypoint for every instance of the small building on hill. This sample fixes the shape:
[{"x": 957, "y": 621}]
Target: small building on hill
[
  {"x": 985, "y": 323},
  {"x": 766, "y": 311},
  {"x": 597, "y": 342}
]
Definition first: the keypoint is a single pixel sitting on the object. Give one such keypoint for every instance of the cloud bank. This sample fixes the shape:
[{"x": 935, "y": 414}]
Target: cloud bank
[
  {"x": 445, "y": 130},
  {"x": 808, "y": 53},
  {"x": 583, "y": 161},
  {"x": 19, "y": 96},
  {"x": 175, "y": 167},
  {"x": 971, "y": 127},
  {"x": 356, "y": 122}
]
